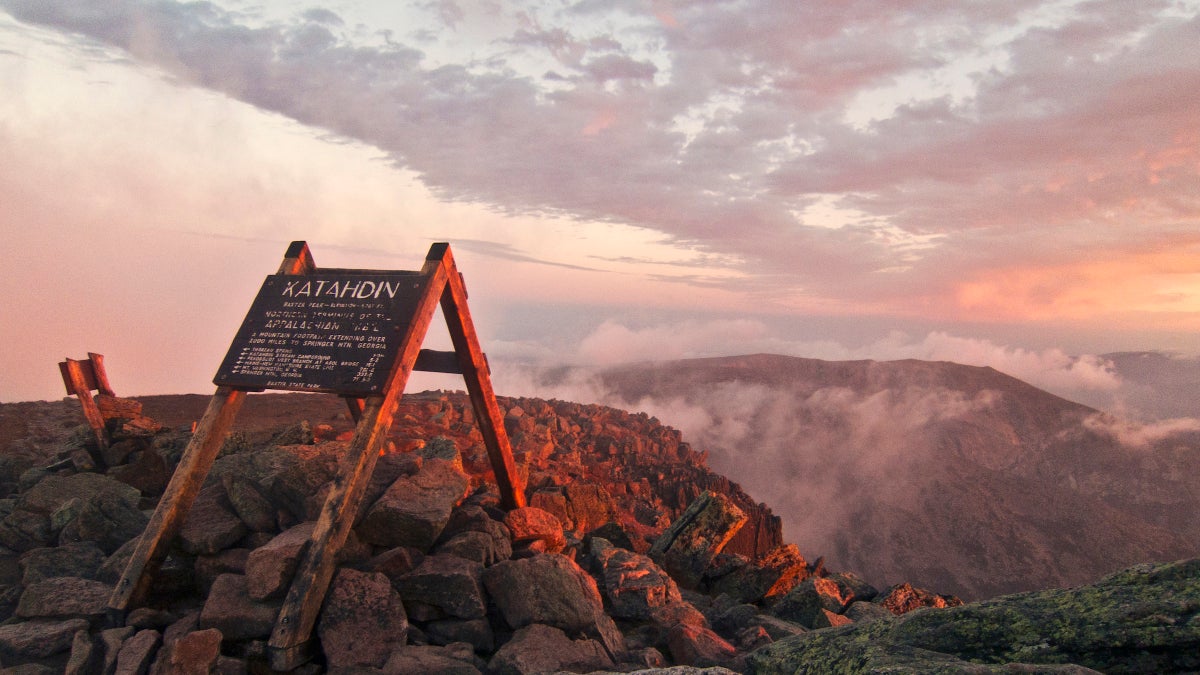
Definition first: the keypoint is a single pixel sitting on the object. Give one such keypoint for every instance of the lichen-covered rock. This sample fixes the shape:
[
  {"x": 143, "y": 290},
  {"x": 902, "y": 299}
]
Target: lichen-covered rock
[
  {"x": 362, "y": 620},
  {"x": 1141, "y": 620},
  {"x": 689, "y": 545}
]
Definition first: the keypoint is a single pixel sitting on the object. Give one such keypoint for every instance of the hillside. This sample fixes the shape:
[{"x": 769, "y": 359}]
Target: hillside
[
  {"x": 633, "y": 556},
  {"x": 954, "y": 477}
]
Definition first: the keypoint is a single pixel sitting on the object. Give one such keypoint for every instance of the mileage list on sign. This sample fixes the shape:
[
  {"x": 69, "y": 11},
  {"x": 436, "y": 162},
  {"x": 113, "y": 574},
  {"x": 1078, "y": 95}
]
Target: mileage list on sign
[{"x": 333, "y": 333}]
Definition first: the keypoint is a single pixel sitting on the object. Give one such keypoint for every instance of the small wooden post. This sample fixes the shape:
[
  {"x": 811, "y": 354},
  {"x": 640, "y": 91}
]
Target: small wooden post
[{"x": 80, "y": 378}]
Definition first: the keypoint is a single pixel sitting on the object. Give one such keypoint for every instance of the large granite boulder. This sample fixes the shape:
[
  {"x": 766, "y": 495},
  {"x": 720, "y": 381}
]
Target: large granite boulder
[
  {"x": 443, "y": 586},
  {"x": 633, "y": 585},
  {"x": 414, "y": 510},
  {"x": 538, "y": 648},
  {"x": 551, "y": 589},
  {"x": 362, "y": 620},
  {"x": 689, "y": 545}
]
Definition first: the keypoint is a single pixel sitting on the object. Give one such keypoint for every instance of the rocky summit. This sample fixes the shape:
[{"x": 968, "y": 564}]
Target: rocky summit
[{"x": 631, "y": 556}]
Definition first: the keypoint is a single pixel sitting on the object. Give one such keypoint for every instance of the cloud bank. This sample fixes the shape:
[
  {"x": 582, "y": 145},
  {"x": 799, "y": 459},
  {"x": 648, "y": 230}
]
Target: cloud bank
[{"x": 897, "y": 158}]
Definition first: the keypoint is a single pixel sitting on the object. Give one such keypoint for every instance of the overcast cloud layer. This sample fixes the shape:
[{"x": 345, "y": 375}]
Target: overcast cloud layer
[
  {"x": 989, "y": 183},
  {"x": 887, "y": 155}
]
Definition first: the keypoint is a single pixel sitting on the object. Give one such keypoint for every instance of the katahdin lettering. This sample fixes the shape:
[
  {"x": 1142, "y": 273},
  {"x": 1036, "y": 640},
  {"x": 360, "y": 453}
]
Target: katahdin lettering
[{"x": 357, "y": 289}]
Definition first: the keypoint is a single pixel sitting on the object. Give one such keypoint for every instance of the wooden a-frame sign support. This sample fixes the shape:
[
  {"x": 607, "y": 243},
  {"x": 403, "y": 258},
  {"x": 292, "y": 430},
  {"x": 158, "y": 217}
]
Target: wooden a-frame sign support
[{"x": 372, "y": 398}]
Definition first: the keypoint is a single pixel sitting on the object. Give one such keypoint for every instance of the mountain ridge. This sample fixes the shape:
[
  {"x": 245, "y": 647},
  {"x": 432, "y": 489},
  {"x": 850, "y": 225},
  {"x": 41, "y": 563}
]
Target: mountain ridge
[{"x": 902, "y": 451}]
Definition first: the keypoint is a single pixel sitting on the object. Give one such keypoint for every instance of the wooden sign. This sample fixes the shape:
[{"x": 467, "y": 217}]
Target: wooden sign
[
  {"x": 304, "y": 332},
  {"x": 322, "y": 332}
]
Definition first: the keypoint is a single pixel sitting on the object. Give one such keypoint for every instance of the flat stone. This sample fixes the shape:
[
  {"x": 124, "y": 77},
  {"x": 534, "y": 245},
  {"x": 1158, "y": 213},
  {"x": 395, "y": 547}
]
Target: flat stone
[
  {"x": 65, "y": 597},
  {"x": 230, "y": 609},
  {"x": 269, "y": 569},
  {"x": 81, "y": 559},
  {"x": 194, "y": 653},
  {"x": 38, "y": 639}
]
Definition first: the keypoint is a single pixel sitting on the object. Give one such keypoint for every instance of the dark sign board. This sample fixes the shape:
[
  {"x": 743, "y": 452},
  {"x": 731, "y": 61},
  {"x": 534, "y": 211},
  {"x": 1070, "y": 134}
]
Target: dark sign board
[{"x": 336, "y": 333}]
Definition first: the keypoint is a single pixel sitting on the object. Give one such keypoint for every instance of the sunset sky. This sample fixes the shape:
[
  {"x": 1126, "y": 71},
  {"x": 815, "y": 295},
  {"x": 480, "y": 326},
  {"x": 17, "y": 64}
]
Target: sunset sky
[{"x": 994, "y": 183}]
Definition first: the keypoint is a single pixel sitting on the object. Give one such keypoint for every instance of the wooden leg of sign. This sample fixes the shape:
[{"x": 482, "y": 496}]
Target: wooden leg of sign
[
  {"x": 176, "y": 500},
  {"x": 356, "y": 406},
  {"x": 289, "y": 644},
  {"x": 483, "y": 399}
]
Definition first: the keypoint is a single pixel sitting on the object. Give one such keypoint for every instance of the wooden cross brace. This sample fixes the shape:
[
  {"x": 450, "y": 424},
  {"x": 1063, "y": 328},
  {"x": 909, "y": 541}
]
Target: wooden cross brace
[{"x": 289, "y": 645}]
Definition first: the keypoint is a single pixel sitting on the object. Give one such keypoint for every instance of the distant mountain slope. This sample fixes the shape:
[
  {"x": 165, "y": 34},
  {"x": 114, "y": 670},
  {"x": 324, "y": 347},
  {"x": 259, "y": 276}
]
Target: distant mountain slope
[{"x": 955, "y": 477}]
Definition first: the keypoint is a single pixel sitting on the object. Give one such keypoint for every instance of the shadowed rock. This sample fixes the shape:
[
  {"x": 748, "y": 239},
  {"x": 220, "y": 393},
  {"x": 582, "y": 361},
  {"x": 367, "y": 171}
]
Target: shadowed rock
[
  {"x": 38, "y": 639},
  {"x": 230, "y": 609},
  {"x": 538, "y": 648},
  {"x": 362, "y": 620},
  {"x": 414, "y": 510},
  {"x": 443, "y": 586}
]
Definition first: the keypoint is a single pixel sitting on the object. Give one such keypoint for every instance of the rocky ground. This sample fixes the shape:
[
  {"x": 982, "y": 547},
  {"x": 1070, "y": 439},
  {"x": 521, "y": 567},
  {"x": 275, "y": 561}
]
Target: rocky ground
[{"x": 632, "y": 557}]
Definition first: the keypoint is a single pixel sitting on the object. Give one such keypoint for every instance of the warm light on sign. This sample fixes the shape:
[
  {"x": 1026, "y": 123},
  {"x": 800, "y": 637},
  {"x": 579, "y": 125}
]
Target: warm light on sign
[{"x": 336, "y": 333}]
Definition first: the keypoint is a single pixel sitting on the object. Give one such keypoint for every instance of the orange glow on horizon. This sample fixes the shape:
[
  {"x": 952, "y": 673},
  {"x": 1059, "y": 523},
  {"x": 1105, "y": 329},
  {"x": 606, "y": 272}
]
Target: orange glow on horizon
[{"x": 1166, "y": 283}]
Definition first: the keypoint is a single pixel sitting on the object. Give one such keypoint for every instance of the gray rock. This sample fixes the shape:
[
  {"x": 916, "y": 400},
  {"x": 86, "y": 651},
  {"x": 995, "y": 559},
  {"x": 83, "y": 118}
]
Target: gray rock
[
  {"x": 85, "y": 655},
  {"x": 230, "y": 609},
  {"x": 689, "y": 545},
  {"x": 567, "y": 598},
  {"x": 635, "y": 585},
  {"x": 269, "y": 569},
  {"x": 82, "y": 559},
  {"x": 443, "y": 586},
  {"x": 414, "y": 510},
  {"x": 194, "y": 653},
  {"x": 65, "y": 597},
  {"x": 430, "y": 659},
  {"x": 362, "y": 620},
  {"x": 211, "y": 524},
  {"x": 137, "y": 653},
  {"x": 539, "y": 648},
  {"x": 38, "y": 639}
]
